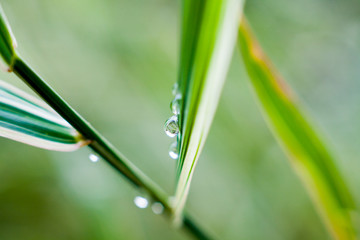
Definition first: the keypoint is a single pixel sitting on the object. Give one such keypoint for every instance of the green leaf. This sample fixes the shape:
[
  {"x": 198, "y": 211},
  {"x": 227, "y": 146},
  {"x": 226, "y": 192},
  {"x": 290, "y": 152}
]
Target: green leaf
[
  {"x": 27, "y": 119},
  {"x": 7, "y": 43},
  {"x": 305, "y": 149},
  {"x": 209, "y": 31}
]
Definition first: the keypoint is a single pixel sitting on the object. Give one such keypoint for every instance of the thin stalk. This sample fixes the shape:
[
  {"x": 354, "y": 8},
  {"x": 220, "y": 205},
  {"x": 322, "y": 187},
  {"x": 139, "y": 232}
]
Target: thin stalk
[{"x": 99, "y": 144}]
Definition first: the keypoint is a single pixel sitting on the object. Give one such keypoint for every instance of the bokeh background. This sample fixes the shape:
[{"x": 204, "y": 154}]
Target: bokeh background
[{"x": 115, "y": 61}]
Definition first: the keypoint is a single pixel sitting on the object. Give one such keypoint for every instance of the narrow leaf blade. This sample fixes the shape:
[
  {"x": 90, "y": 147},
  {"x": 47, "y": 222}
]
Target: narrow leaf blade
[
  {"x": 208, "y": 38},
  {"x": 306, "y": 150},
  {"x": 27, "y": 119},
  {"x": 7, "y": 43}
]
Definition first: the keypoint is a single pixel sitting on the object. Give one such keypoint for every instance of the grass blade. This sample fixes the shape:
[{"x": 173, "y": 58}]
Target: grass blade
[
  {"x": 307, "y": 152},
  {"x": 7, "y": 43},
  {"x": 26, "y": 119},
  {"x": 208, "y": 38}
]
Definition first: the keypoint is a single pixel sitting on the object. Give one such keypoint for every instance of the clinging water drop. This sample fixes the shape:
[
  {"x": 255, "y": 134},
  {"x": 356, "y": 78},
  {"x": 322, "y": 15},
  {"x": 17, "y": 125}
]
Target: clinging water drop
[
  {"x": 175, "y": 104},
  {"x": 141, "y": 202},
  {"x": 93, "y": 158},
  {"x": 173, "y": 150},
  {"x": 175, "y": 89},
  {"x": 172, "y": 126},
  {"x": 157, "y": 208}
]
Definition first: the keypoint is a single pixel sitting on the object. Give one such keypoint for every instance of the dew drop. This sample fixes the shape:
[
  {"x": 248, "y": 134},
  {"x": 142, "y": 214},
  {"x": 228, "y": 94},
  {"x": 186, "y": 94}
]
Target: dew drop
[
  {"x": 157, "y": 208},
  {"x": 141, "y": 202},
  {"x": 171, "y": 126},
  {"x": 175, "y": 88},
  {"x": 173, "y": 150},
  {"x": 175, "y": 104},
  {"x": 93, "y": 158}
]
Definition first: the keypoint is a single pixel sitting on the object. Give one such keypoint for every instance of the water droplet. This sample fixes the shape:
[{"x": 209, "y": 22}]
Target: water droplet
[
  {"x": 141, "y": 202},
  {"x": 175, "y": 104},
  {"x": 93, "y": 158},
  {"x": 171, "y": 126},
  {"x": 175, "y": 88},
  {"x": 173, "y": 150},
  {"x": 157, "y": 208}
]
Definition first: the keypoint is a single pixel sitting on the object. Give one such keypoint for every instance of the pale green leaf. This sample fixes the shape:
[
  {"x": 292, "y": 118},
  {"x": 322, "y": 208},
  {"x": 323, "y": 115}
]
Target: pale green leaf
[
  {"x": 306, "y": 150},
  {"x": 29, "y": 120}
]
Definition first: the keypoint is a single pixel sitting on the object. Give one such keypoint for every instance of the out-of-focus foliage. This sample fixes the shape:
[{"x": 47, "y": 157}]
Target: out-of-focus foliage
[
  {"x": 115, "y": 62},
  {"x": 301, "y": 142}
]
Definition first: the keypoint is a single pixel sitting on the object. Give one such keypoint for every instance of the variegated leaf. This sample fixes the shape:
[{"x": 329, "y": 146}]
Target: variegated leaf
[{"x": 27, "y": 119}]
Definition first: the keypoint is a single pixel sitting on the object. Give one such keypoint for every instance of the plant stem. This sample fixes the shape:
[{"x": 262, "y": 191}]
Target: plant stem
[
  {"x": 99, "y": 144},
  {"x": 193, "y": 229}
]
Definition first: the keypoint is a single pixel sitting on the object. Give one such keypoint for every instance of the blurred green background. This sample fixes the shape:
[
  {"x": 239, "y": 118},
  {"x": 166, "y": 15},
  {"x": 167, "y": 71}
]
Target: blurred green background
[{"x": 115, "y": 61}]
